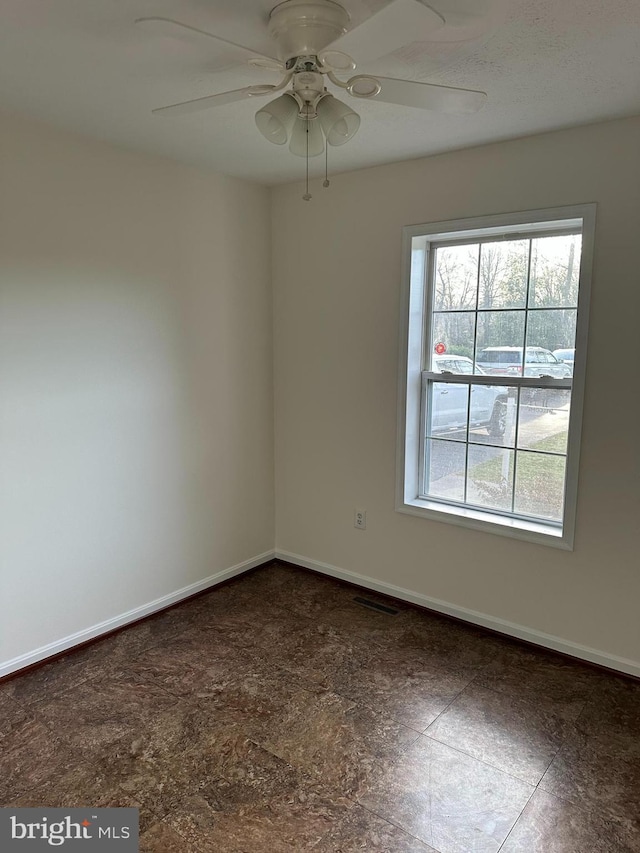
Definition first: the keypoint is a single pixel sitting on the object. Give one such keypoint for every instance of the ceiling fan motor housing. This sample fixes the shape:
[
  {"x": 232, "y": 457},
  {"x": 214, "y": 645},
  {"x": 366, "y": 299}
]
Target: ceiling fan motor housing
[{"x": 306, "y": 27}]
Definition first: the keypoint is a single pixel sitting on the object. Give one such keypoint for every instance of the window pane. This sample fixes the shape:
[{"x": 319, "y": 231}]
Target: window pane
[
  {"x": 445, "y": 469},
  {"x": 552, "y": 330},
  {"x": 447, "y": 412},
  {"x": 539, "y": 488},
  {"x": 493, "y": 415},
  {"x": 452, "y": 364},
  {"x": 555, "y": 271},
  {"x": 490, "y": 477},
  {"x": 453, "y": 335},
  {"x": 456, "y": 284},
  {"x": 544, "y": 419},
  {"x": 500, "y": 342},
  {"x": 503, "y": 274}
]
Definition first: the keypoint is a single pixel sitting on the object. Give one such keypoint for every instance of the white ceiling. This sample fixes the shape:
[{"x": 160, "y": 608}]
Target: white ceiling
[{"x": 82, "y": 64}]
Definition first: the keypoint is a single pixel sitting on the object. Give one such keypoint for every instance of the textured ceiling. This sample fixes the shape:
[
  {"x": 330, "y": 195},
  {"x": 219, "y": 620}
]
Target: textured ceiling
[{"x": 82, "y": 64}]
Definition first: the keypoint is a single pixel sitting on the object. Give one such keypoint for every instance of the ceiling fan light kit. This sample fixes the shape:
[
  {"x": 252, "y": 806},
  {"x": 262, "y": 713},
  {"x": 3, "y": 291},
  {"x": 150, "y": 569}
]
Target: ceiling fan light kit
[
  {"x": 284, "y": 119},
  {"x": 306, "y": 34},
  {"x": 306, "y": 138},
  {"x": 275, "y": 120},
  {"x": 339, "y": 122}
]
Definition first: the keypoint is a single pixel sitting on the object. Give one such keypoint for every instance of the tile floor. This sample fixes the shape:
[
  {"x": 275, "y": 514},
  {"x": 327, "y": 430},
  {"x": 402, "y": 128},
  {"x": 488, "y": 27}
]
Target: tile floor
[{"x": 276, "y": 714}]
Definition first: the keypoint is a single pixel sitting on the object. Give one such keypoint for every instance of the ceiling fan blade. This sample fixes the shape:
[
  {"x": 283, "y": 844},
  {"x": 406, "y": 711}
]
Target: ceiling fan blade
[
  {"x": 470, "y": 19},
  {"x": 197, "y": 104},
  {"x": 428, "y": 96},
  {"x": 397, "y": 24},
  {"x": 175, "y": 29}
]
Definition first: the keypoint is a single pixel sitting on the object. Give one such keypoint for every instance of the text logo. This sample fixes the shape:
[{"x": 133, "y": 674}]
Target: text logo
[{"x": 105, "y": 830}]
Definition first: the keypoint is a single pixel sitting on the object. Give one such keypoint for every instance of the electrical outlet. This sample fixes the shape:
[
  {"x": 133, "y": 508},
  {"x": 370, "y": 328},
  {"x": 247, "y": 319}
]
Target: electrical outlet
[{"x": 360, "y": 519}]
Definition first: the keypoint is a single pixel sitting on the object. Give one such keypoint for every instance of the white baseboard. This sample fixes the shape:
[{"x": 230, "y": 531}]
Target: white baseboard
[
  {"x": 94, "y": 631},
  {"x": 530, "y": 635},
  {"x": 548, "y": 641}
]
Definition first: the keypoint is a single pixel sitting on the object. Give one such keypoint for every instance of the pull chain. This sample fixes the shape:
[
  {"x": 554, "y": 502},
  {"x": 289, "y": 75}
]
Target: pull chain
[
  {"x": 325, "y": 183},
  {"x": 307, "y": 195}
]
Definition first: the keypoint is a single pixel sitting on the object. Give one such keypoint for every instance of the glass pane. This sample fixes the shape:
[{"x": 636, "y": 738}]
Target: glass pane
[
  {"x": 490, "y": 477},
  {"x": 555, "y": 271},
  {"x": 553, "y": 330},
  {"x": 503, "y": 274},
  {"x": 493, "y": 415},
  {"x": 566, "y": 356},
  {"x": 452, "y": 335},
  {"x": 456, "y": 280},
  {"x": 500, "y": 342},
  {"x": 544, "y": 419},
  {"x": 452, "y": 364},
  {"x": 445, "y": 469},
  {"x": 447, "y": 413},
  {"x": 539, "y": 488}
]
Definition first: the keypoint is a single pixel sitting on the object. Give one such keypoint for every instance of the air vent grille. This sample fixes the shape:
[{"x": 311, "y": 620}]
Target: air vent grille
[{"x": 373, "y": 605}]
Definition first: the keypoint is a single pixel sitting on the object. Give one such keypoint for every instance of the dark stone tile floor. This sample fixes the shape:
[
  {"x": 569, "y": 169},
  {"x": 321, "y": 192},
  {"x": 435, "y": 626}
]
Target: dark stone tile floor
[{"x": 276, "y": 714}]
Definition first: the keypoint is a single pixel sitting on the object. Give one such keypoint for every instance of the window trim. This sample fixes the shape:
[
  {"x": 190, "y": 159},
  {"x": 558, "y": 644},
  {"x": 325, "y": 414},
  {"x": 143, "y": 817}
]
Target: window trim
[{"x": 411, "y": 341}]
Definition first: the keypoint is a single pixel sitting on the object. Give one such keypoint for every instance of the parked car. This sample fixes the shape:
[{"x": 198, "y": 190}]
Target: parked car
[
  {"x": 507, "y": 361},
  {"x": 449, "y": 402},
  {"x": 566, "y": 356}
]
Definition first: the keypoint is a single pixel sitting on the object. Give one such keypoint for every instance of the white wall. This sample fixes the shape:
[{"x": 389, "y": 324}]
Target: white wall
[
  {"x": 336, "y": 301},
  {"x": 136, "y": 432},
  {"x": 136, "y": 421}
]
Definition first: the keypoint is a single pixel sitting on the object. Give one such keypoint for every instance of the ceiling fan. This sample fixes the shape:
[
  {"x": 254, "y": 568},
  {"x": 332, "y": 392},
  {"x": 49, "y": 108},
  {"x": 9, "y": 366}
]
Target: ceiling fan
[{"x": 313, "y": 44}]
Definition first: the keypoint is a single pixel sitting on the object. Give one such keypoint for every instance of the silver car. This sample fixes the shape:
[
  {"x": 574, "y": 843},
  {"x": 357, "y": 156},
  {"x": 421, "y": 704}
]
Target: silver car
[
  {"x": 449, "y": 402},
  {"x": 566, "y": 356},
  {"x": 507, "y": 361}
]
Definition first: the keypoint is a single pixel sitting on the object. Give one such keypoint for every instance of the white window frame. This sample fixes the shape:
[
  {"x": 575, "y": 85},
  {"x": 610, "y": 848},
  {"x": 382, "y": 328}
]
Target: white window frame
[{"x": 416, "y": 257}]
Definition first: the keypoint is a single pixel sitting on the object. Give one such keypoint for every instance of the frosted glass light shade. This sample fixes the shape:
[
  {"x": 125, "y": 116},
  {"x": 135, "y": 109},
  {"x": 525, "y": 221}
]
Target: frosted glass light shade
[
  {"x": 338, "y": 121},
  {"x": 302, "y": 129},
  {"x": 276, "y": 119}
]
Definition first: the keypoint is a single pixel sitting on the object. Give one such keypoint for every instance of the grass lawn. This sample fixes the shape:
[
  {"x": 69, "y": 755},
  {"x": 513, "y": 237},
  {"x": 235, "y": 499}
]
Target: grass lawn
[{"x": 539, "y": 479}]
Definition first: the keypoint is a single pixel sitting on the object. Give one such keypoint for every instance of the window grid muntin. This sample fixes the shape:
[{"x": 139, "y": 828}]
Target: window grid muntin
[
  {"x": 496, "y": 310},
  {"x": 524, "y": 362},
  {"x": 530, "y": 235},
  {"x": 425, "y": 461},
  {"x": 514, "y": 381},
  {"x": 494, "y": 511}
]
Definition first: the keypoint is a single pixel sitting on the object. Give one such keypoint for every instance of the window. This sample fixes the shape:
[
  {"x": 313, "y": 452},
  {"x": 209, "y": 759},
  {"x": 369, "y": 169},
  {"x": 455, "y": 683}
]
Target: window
[{"x": 489, "y": 418}]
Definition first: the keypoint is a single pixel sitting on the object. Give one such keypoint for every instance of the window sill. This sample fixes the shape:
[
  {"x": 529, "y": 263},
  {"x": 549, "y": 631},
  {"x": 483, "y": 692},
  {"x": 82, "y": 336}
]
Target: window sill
[{"x": 489, "y": 522}]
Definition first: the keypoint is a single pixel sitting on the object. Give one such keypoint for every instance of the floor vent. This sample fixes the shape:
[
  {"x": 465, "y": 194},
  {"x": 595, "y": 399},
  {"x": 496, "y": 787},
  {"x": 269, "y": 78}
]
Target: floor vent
[{"x": 372, "y": 605}]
